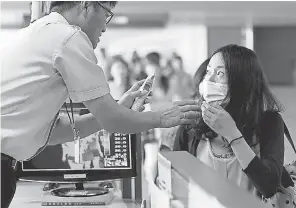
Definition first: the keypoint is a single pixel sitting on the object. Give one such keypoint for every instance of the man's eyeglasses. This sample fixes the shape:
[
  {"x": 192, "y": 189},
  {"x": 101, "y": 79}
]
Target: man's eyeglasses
[{"x": 110, "y": 14}]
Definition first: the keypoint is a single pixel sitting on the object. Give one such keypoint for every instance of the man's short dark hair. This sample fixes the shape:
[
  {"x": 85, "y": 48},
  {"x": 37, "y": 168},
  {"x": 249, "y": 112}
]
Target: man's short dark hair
[{"x": 62, "y": 6}]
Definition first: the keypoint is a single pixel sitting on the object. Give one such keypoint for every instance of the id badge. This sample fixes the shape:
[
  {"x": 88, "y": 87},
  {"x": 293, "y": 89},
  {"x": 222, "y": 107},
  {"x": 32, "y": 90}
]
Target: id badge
[
  {"x": 77, "y": 151},
  {"x": 77, "y": 145}
]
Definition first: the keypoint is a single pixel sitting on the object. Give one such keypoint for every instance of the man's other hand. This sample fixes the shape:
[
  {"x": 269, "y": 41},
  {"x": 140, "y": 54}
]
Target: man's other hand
[{"x": 179, "y": 113}]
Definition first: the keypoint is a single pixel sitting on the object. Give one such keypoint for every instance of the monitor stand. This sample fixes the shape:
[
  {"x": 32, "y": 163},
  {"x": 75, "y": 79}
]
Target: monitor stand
[
  {"x": 79, "y": 195},
  {"x": 50, "y": 186},
  {"x": 79, "y": 191}
]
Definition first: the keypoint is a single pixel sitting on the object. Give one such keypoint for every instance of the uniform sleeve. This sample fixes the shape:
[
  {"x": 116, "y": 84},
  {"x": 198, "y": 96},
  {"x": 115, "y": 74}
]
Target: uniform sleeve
[
  {"x": 77, "y": 64},
  {"x": 266, "y": 172}
]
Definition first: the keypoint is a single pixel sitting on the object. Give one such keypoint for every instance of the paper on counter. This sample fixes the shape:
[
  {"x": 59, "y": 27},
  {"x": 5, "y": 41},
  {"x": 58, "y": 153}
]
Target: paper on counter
[
  {"x": 197, "y": 197},
  {"x": 159, "y": 198},
  {"x": 165, "y": 173}
]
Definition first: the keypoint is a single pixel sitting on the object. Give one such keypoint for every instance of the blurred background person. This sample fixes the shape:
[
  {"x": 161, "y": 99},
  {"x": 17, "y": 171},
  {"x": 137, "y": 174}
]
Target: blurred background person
[
  {"x": 137, "y": 67},
  {"x": 168, "y": 69},
  {"x": 159, "y": 90},
  {"x": 180, "y": 82},
  {"x": 120, "y": 77},
  {"x": 102, "y": 56},
  {"x": 35, "y": 10},
  {"x": 160, "y": 85}
]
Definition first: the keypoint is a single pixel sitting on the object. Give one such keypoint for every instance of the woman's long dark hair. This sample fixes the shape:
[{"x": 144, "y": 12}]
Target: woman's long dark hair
[{"x": 248, "y": 96}]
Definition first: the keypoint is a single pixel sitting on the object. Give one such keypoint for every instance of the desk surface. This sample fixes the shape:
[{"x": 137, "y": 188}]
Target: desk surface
[{"x": 28, "y": 195}]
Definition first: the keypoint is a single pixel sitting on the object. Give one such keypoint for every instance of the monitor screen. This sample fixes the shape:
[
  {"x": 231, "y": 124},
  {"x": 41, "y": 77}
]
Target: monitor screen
[{"x": 99, "y": 156}]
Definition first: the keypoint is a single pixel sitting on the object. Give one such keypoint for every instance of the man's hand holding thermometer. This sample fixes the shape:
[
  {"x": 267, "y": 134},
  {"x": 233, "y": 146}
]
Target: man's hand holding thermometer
[{"x": 147, "y": 87}]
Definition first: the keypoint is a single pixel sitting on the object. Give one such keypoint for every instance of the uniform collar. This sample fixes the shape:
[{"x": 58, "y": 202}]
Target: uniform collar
[{"x": 57, "y": 17}]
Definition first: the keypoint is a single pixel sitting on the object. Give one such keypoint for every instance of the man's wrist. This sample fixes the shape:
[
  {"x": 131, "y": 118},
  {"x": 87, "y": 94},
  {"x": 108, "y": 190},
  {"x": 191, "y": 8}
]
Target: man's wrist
[{"x": 123, "y": 103}]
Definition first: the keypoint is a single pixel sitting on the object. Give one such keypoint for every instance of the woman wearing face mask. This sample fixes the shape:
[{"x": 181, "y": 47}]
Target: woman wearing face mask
[{"x": 240, "y": 133}]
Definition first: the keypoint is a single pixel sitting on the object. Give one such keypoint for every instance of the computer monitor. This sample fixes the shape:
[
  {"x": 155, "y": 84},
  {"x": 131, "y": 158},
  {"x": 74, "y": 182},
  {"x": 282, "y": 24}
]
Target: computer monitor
[{"x": 104, "y": 156}]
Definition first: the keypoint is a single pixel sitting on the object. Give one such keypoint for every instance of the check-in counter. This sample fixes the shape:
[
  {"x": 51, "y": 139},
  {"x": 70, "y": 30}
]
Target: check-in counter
[{"x": 184, "y": 181}]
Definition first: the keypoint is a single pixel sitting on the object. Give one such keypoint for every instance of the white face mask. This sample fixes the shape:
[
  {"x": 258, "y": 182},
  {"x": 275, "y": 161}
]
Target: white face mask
[{"x": 212, "y": 91}]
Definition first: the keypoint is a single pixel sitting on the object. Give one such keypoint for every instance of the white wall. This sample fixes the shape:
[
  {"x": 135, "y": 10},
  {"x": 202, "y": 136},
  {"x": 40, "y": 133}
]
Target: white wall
[
  {"x": 221, "y": 36},
  {"x": 6, "y": 36}
]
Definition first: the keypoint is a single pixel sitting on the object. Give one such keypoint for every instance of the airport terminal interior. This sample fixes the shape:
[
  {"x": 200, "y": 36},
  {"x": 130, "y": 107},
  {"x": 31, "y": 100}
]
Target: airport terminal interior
[{"x": 169, "y": 41}]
